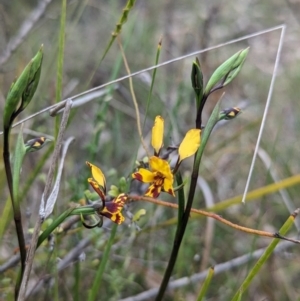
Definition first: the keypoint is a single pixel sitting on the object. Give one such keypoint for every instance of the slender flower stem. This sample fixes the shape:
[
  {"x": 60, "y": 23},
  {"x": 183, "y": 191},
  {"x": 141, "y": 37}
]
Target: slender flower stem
[{"x": 15, "y": 206}]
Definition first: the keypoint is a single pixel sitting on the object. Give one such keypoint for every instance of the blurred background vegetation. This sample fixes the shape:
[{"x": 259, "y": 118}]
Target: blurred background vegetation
[{"x": 106, "y": 134}]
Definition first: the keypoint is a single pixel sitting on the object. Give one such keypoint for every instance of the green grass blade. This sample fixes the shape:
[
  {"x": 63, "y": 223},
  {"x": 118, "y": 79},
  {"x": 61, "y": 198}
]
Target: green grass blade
[
  {"x": 206, "y": 284},
  {"x": 98, "y": 278},
  {"x": 268, "y": 252},
  {"x": 123, "y": 19},
  {"x": 60, "y": 60}
]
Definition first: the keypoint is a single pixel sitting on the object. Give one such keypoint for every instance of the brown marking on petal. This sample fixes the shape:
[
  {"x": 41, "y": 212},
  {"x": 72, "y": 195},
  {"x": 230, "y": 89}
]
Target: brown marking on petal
[
  {"x": 112, "y": 210},
  {"x": 97, "y": 188},
  {"x": 137, "y": 176},
  {"x": 153, "y": 191},
  {"x": 106, "y": 214},
  {"x": 116, "y": 217},
  {"x": 159, "y": 180},
  {"x": 171, "y": 192},
  {"x": 112, "y": 207}
]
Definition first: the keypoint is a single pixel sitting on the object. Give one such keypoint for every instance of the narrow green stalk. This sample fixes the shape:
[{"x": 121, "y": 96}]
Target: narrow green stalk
[
  {"x": 15, "y": 207},
  {"x": 60, "y": 60},
  {"x": 61, "y": 218},
  {"x": 206, "y": 284},
  {"x": 123, "y": 19},
  {"x": 268, "y": 252},
  {"x": 118, "y": 28},
  {"x": 214, "y": 118},
  {"x": 181, "y": 199},
  {"x": 7, "y": 211},
  {"x": 98, "y": 278}
]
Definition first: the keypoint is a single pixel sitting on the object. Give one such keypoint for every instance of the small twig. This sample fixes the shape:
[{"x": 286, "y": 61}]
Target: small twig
[
  {"x": 24, "y": 30},
  {"x": 35, "y": 236},
  {"x": 218, "y": 218},
  {"x": 10, "y": 263}
]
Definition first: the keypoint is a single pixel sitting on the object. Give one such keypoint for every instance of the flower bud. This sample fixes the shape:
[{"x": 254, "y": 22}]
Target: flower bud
[
  {"x": 24, "y": 87},
  {"x": 226, "y": 72},
  {"x": 230, "y": 113},
  {"x": 197, "y": 80},
  {"x": 35, "y": 144}
]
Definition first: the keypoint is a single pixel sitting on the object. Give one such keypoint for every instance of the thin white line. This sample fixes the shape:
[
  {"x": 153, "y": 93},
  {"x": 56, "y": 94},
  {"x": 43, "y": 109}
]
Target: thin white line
[
  {"x": 154, "y": 67},
  {"x": 265, "y": 111}
]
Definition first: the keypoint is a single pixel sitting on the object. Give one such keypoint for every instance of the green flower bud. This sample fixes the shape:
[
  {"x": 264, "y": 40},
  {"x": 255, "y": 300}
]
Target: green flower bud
[
  {"x": 24, "y": 87},
  {"x": 122, "y": 184},
  {"x": 114, "y": 191},
  {"x": 225, "y": 73},
  {"x": 197, "y": 80},
  {"x": 136, "y": 217},
  {"x": 33, "y": 79}
]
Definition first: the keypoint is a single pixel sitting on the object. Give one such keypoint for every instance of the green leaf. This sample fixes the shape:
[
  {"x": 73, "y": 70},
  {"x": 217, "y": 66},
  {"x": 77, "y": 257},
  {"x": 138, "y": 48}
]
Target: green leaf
[
  {"x": 267, "y": 253},
  {"x": 226, "y": 72},
  {"x": 206, "y": 284},
  {"x": 20, "y": 152}
]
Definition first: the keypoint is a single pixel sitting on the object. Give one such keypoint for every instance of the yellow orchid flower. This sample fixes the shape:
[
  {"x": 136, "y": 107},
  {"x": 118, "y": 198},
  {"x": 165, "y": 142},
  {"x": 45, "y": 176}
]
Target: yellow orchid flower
[
  {"x": 111, "y": 209},
  {"x": 160, "y": 174}
]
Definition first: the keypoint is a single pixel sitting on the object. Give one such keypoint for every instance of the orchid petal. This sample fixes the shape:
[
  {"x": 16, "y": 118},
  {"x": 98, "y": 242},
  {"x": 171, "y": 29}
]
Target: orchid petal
[
  {"x": 112, "y": 210},
  {"x": 189, "y": 144},
  {"x": 161, "y": 166},
  {"x": 157, "y": 134},
  {"x": 143, "y": 175},
  {"x": 168, "y": 187},
  {"x": 97, "y": 175}
]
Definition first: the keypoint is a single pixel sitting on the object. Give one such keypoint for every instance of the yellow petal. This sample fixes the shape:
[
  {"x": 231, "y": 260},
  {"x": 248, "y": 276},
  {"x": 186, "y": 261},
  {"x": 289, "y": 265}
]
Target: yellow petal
[
  {"x": 189, "y": 144},
  {"x": 168, "y": 187},
  {"x": 161, "y": 166},
  {"x": 97, "y": 175},
  {"x": 143, "y": 175},
  {"x": 157, "y": 134}
]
